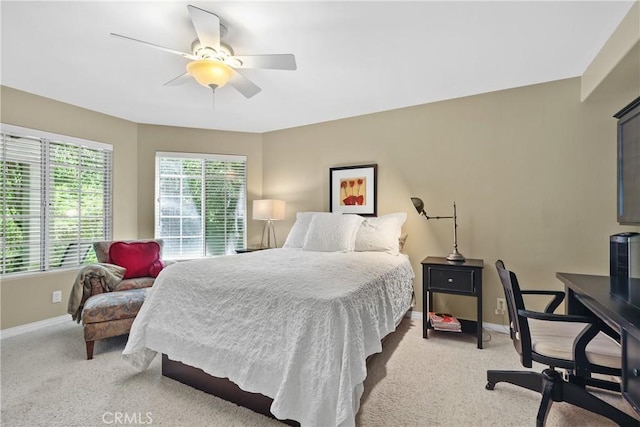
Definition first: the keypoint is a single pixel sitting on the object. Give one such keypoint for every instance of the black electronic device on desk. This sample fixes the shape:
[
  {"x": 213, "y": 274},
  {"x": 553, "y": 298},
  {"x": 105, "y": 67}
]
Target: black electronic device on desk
[
  {"x": 625, "y": 255},
  {"x": 625, "y": 267}
]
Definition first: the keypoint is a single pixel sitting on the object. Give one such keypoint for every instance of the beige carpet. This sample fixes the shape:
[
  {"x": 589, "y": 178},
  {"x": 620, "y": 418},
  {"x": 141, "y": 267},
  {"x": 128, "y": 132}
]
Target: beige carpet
[{"x": 46, "y": 381}]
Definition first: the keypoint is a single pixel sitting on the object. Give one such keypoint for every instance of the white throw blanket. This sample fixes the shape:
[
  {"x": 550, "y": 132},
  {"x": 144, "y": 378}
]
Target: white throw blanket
[{"x": 294, "y": 325}]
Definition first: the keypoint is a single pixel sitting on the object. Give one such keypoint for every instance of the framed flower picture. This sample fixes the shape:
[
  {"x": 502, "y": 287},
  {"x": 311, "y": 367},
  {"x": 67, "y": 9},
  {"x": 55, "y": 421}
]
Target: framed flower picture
[{"x": 353, "y": 189}]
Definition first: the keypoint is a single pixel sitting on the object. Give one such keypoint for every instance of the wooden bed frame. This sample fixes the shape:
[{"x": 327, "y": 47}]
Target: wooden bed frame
[
  {"x": 228, "y": 390},
  {"x": 220, "y": 387}
]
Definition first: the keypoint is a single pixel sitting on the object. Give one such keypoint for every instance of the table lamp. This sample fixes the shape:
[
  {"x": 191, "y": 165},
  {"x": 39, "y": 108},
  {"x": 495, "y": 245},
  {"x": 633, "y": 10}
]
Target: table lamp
[
  {"x": 268, "y": 210},
  {"x": 455, "y": 255}
]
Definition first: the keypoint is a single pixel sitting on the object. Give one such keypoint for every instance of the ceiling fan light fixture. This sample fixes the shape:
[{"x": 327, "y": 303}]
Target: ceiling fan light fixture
[
  {"x": 207, "y": 52},
  {"x": 233, "y": 62},
  {"x": 208, "y": 73},
  {"x": 213, "y": 62}
]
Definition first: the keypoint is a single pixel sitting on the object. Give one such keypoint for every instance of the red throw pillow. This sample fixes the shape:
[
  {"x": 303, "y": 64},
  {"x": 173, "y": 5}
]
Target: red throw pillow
[
  {"x": 156, "y": 268},
  {"x": 137, "y": 257}
]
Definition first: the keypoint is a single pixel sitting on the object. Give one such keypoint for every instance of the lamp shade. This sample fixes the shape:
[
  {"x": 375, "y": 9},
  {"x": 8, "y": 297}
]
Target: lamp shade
[
  {"x": 268, "y": 209},
  {"x": 418, "y": 204},
  {"x": 209, "y": 72}
]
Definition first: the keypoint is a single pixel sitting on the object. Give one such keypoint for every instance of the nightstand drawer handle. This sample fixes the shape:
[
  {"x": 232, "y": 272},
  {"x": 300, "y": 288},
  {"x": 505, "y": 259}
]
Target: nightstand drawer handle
[
  {"x": 635, "y": 372},
  {"x": 450, "y": 280}
]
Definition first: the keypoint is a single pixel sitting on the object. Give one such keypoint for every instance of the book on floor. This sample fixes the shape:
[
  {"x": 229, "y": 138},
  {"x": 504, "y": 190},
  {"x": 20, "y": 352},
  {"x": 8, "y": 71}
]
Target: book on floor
[{"x": 444, "y": 322}]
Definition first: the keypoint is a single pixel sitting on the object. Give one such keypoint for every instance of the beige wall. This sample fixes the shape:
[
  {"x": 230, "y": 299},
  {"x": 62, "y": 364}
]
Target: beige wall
[
  {"x": 166, "y": 138},
  {"x": 27, "y": 298},
  {"x": 532, "y": 169},
  {"x": 617, "y": 49}
]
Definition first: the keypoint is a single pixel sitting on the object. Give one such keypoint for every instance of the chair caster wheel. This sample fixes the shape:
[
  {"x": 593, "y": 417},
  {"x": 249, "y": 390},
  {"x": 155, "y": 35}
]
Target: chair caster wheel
[{"x": 490, "y": 386}]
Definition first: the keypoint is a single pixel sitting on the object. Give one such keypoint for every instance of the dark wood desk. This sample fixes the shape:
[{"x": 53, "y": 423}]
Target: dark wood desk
[{"x": 592, "y": 294}]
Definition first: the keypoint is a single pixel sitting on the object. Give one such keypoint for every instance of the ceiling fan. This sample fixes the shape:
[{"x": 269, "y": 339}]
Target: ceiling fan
[{"x": 213, "y": 63}]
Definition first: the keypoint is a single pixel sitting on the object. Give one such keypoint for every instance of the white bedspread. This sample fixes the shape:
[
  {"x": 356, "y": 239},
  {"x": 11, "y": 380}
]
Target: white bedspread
[{"x": 294, "y": 325}]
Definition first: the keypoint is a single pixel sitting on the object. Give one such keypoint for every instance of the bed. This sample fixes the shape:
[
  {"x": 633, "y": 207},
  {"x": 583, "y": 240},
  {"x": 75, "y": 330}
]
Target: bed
[{"x": 291, "y": 324}]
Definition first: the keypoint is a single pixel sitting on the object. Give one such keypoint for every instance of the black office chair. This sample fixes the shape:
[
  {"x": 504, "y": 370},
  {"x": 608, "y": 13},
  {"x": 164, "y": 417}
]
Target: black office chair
[{"x": 576, "y": 344}]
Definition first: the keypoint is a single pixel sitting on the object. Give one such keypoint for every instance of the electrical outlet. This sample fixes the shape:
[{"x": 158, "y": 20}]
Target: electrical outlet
[
  {"x": 501, "y": 306},
  {"x": 56, "y": 296}
]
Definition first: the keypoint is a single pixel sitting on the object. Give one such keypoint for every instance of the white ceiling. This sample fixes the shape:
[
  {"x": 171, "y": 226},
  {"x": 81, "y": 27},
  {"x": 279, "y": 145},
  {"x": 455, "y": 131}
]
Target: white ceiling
[{"x": 353, "y": 57}]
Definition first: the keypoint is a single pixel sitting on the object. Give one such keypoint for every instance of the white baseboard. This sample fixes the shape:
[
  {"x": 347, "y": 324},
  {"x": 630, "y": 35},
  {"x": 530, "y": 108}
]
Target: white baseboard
[
  {"x": 414, "y": 315},
  {"x": 18, "y": 330},
  {"x": 494, "y": 327},
  {"x": 29, "y": 327}
]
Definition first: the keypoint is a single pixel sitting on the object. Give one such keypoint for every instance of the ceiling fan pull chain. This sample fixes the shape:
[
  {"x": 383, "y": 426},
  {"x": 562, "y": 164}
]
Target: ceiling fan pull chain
[{"x": 213, "y": 96}]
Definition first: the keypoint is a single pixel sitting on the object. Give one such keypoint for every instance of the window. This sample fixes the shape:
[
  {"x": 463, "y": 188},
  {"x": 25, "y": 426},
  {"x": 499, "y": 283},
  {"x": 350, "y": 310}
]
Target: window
[
  {"x": 200, "y": 204},
  {"x": 55, "y": 199}
]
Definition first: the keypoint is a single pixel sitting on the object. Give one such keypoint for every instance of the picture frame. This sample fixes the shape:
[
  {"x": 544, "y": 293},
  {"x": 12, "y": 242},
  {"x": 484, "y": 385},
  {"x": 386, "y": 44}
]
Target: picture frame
[{"x": 353, "y": 189}]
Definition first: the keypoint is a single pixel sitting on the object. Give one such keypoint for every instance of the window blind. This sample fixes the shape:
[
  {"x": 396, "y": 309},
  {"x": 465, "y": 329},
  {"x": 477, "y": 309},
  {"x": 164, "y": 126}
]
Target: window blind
[
  {"x": 200, "y": 204},
  {"x": 55, "y": 201}
]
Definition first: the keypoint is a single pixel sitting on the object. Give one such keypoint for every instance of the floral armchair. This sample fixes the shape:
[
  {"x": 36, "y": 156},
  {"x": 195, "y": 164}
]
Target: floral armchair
[{"x": 107, "y": 296}]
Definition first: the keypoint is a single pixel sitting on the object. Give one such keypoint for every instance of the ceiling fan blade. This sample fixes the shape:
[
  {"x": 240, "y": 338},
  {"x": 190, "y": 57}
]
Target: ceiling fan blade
[
  {"x": 207, "y": 27},
  {"x": 166, "y": 49},
  {"x": 244, "y": 85},
  {"x": 285, "y": 61},
  {"x": 181, "y": 79}
]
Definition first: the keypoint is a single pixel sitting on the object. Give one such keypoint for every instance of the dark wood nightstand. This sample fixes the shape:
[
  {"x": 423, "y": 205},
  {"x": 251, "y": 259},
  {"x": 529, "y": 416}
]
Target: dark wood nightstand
[{"x": 447, "y": 277}]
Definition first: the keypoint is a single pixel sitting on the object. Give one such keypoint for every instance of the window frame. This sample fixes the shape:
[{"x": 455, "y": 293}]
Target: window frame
[
  {"x": 48, "y": 141},
  {"x": 203, "y": 157}
]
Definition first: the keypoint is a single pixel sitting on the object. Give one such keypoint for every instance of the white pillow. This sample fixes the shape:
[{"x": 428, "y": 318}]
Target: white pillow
[
  {"x": 381, "y": 234},
  {"x": 296, "y": 236},
  {"x": 402, "y": 240},
  {"x": 332, "y": 233}
]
